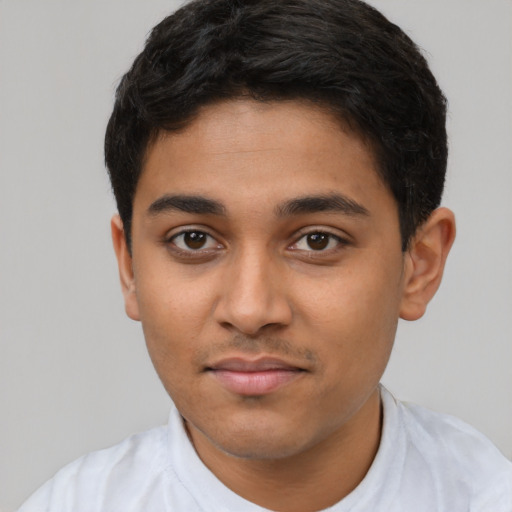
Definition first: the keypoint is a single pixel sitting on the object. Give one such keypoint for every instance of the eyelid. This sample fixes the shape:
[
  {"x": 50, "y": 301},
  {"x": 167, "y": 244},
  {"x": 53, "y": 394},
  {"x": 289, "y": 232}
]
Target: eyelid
[
  {"x": 187, "y": 228},
  {"x": 183, "y": 230},
  {"x": 342, "y": 237},
  {"x": 341, "y": 241}
]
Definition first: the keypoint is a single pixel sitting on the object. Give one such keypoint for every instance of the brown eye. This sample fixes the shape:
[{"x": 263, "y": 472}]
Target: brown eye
[
  {"x": 192, "y": 241},
  {"x": 195, "y": 239},
  {"x": 318, "y": 241}
]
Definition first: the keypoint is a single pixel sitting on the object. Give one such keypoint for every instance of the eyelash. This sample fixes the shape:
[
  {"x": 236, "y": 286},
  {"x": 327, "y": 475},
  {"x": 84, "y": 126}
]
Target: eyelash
[
  {"x": 341, "y": 242},
  {"x": 190, "y": 252}
]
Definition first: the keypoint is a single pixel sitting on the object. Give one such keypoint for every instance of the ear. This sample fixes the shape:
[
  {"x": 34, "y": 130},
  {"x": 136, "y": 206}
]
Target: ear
[
  {"x": 424, "y": 262},
  {"x": 124, "y": 262}
]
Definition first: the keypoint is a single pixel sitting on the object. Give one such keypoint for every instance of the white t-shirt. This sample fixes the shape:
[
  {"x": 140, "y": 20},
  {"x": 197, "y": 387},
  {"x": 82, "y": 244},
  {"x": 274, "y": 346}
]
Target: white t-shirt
[{"x": 426, "y": 462}]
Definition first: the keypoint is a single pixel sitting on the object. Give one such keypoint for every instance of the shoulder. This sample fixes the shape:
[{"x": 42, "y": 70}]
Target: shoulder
[
  {"x": 125, "y": 469},
  {"x": 451, "y": 439},
  {"x": 456, "y": 458}
]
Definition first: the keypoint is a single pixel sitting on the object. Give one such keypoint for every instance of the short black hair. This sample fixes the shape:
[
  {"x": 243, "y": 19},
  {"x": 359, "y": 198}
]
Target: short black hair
[{"x": 342, "y": 55}]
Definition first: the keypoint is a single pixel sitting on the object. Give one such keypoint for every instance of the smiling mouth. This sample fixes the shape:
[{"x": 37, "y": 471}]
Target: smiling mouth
[{"x": 254, "y": 378}]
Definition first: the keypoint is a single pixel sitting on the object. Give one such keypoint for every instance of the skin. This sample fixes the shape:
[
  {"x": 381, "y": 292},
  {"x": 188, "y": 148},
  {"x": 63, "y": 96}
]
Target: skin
[{"x": 317, "y": 284}]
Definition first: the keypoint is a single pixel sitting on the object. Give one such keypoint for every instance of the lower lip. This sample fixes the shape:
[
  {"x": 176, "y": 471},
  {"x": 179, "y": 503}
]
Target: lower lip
[{"x": 255, "y": 383}]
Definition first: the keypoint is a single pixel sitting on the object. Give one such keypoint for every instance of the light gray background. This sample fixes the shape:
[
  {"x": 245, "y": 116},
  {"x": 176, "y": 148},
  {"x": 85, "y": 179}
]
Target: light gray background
[{"x": 74, "y": 372}]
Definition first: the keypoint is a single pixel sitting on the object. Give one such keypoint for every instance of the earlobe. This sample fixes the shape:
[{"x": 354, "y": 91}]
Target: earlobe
[
  {"x": 124, "y": 262},
  {"x": 425, "y": 261}
]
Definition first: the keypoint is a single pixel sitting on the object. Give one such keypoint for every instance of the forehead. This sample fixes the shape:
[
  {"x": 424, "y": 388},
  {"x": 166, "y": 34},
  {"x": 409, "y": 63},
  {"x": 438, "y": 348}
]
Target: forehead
[{"x": 244, "y": 150}]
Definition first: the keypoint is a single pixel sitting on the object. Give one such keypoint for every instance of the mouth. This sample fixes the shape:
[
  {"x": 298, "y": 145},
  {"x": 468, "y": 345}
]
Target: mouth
[{"x": 254, "y": 377}]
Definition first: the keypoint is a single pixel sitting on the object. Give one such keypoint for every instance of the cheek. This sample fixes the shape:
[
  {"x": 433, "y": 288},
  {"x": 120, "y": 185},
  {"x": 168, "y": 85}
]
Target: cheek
[
  {"x": 354, "y": 318},
  {"x": 362, "y": 301},
  {"x": 174, "y": 313},
  {"x": 172, "y": 299}
]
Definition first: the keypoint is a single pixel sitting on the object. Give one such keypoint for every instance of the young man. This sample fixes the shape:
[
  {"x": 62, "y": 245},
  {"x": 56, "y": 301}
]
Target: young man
[{"x": 278, "y": 169}]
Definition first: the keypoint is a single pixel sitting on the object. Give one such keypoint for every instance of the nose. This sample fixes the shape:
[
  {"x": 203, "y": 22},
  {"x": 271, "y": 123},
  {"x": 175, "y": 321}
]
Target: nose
[{"x": 253, "y": 295}]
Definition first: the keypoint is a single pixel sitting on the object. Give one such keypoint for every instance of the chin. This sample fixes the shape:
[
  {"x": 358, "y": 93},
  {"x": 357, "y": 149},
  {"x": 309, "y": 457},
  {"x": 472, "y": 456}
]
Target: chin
[
  {"x": 260, "y": 449},
  {"x": 259, "y": 440}
]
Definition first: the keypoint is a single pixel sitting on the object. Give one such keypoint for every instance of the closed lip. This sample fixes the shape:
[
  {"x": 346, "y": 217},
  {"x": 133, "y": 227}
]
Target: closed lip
[
  {"x": 261, "y": 364},
  {"x": 254, "y": 377}
]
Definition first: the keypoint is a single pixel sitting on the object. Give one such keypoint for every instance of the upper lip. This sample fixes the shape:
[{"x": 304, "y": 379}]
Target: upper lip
[{"x": 240, "y": 364}]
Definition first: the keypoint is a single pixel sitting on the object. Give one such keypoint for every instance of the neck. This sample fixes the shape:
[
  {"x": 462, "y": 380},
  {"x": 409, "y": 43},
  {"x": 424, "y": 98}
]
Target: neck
[{"x": 309, "y": 481}]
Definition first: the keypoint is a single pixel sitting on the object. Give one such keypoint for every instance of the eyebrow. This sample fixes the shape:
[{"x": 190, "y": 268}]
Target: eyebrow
[
  {"x": 322, "y": 203},
  {"x": 301, "y": 205},
  {"x": 188, "y": 204}
]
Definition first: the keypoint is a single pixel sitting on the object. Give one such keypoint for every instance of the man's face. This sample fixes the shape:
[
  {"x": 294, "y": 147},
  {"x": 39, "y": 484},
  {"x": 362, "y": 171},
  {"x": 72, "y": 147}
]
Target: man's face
[{"x": 268, "y": 275}]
